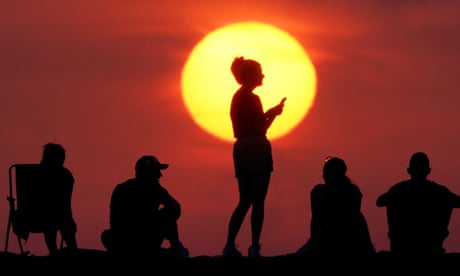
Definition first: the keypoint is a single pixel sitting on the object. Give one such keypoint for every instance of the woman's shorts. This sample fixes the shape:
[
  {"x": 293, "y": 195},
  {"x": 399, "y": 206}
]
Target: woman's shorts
[{"x": 252, "y": 155}]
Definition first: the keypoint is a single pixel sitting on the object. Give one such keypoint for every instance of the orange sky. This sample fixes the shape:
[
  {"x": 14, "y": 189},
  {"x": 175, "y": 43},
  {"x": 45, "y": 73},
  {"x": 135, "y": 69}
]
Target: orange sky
[{"x": 104, "y": 81}]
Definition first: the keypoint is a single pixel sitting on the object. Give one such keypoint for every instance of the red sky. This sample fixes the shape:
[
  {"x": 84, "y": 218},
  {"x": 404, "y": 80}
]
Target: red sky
[{"x": 103, "y": 79}]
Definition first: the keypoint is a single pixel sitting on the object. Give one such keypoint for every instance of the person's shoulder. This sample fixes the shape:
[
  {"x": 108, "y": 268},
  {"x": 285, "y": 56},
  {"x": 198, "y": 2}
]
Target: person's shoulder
[
  {"x": 439, "y": 186},
  {"x": 318, "y": 188},
  {"x": 436, "y": 184},
  {"x": 125, "y": 184},
  {"x": 57, "y": 173},
  {"x": 67, "y": 171},
  {"x": 355, "y": 188},
  {"x": 64, "y": 168},
  {"x": 403, "y": 182},
  {"x": 396, "y": 189},
  {"x": 238, "y": 94},
  {"x": 243, "y": 96},
  {"x": 400, "y": 185}
]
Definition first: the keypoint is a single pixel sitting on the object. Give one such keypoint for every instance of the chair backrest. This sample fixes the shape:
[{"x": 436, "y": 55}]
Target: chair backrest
[
  {"x": 30, "y": 193},
  {"x": 28, "y": 201}
]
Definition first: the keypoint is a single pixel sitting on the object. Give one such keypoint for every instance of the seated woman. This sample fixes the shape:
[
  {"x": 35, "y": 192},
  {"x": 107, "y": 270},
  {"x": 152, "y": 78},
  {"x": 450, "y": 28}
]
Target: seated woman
[{"x": 338, "y": 228}]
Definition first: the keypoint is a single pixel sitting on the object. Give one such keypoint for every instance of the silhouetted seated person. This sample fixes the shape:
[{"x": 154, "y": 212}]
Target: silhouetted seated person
[
  {"x": 46, "y": 203},
  {"x": 418, "y": 212},
  {"x": 338, "y": 229},
  {"x": 143, "y": 214}
]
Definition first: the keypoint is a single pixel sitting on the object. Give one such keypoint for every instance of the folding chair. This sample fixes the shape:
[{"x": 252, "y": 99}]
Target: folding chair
[{"x": 25, "y": 215}]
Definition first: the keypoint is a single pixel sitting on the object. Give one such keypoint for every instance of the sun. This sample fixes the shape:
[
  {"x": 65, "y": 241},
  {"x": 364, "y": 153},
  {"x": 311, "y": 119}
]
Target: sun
[{"x": 207, "y": 83}]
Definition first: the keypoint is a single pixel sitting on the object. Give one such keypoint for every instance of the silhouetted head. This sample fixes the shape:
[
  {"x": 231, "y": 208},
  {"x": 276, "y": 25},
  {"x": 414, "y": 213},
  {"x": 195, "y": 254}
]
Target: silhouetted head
[
  {"x": 53, "y": 154},
  {"x": 149, "y": 166},
  {"x": 247, "y": 72},
  {"x": 419, "y": 166},
  {"x": 334, "y": 169}
]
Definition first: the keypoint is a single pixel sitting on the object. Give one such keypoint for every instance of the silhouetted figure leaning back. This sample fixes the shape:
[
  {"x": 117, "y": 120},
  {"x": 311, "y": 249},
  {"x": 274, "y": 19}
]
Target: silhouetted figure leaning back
[
  {"x": 418, "y": 212},
  {"x": 143, "y": 214}
]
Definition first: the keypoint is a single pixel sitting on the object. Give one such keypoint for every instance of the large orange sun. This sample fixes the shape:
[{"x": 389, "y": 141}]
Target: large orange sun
[{"x": 208, "y": 85}]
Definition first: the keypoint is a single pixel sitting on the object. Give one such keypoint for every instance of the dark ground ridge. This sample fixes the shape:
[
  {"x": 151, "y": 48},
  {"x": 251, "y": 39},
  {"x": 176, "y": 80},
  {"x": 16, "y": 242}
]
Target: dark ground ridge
[{"x": 97, "y": 261}]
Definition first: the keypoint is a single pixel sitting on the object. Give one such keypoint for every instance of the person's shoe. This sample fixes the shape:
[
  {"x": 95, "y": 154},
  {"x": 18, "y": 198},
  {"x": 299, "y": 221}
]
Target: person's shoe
[
  {"x": 231, "y": 251},
  {"x": 254, "y": 251}
]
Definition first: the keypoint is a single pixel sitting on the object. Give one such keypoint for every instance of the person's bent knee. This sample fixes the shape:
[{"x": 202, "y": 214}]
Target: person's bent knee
[{"x": 107, "y": 239}]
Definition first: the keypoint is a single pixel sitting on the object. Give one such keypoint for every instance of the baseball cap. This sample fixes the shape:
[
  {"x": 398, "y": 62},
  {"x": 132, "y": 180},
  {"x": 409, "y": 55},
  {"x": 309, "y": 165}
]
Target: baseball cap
[{"x": 149, "y": 162}]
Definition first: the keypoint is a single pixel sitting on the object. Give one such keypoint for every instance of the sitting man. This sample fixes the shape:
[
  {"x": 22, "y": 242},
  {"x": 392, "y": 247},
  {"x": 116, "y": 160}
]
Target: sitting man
[
  {"x": 418, "y": 211},
  {"x": 143, "y": 214}
]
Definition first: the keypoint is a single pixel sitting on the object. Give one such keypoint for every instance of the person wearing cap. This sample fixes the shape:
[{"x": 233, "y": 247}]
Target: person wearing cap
[
  {"x": 418, "y": 211},
  {"x": 143, "y": 214},
  {"x": 338, "y": 228}
]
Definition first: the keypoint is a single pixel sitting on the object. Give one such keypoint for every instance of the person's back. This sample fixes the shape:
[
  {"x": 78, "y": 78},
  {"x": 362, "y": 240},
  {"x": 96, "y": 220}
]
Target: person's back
[
  {"x": 418, "y": 211},
  {"x": 338, "y": 228},
  {"x": 134, "y": 212},
  {"x": 343, "y": 227},
  {"x": 418, "y": 217},
  {"x": 56, "y": 184},
  {"x": 57, "y": 192},
  {"x": 143, "y": 214}
]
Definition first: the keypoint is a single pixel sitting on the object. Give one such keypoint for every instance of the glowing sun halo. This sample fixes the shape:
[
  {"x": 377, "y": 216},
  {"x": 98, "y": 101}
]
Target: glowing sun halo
[{"x": 208, "y": 85}]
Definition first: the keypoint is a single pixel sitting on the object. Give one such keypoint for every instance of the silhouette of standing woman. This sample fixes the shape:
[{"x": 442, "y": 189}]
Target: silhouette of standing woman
[{"x": 252, "y": 153}]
